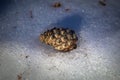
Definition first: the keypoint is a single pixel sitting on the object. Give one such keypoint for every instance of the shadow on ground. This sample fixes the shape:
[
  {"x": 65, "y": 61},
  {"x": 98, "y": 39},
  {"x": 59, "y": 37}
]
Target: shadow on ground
[
  {"x": 4, "y": 4},
  {"x": 72, "y": 22}
]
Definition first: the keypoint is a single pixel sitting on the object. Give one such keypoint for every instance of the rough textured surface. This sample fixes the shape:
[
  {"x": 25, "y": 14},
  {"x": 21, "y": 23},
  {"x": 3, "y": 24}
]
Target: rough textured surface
[
  {"x": 62, "y": 39},
  {"x": 97, "y": 56}
]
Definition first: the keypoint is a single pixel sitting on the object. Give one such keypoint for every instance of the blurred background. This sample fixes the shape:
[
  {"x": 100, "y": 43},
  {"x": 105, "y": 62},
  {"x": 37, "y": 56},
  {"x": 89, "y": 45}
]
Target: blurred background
[{"x": 24, "y": 57}]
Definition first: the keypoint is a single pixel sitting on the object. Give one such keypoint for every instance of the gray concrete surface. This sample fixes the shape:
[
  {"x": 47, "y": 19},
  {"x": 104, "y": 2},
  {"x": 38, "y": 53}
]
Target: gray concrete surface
[{"x": 23, "y": 57}]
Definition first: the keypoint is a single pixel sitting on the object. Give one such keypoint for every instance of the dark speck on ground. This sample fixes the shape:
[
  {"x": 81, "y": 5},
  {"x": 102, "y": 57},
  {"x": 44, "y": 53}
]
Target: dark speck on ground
[
  {"x": 67, "y": 9},
  {"x": 102, "y": 2},
  {"x": 31, "y": 14},
  {"x": 57, "y": 5},
  {"x": 19, "y": 77},
  {"x": 26, "y": 56},
  {"x": 14, "y": 27}
]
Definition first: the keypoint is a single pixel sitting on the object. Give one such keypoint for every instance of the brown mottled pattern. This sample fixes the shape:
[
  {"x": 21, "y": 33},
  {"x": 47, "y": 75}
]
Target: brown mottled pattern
[{"x": 62, "y": 39}]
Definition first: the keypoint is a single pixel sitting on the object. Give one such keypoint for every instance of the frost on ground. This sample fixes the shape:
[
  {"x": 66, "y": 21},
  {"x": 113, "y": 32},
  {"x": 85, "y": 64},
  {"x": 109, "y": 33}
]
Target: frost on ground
[{"x": 23, "y": 56}]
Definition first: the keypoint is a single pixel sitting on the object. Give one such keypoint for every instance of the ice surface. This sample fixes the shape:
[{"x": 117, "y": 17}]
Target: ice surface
[{"x": 97, "y": 56}]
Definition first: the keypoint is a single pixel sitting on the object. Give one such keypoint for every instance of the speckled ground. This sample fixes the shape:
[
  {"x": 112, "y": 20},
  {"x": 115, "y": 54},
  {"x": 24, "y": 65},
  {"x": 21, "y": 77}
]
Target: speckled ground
[{"x": 23, "y": 57}]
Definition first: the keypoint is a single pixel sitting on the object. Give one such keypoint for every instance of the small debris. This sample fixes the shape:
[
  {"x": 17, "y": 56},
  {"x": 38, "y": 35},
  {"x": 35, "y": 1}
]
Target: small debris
[
  {"x": 14, "y": 27},
  {"x": 102, "y": 2},
  {"x": 16, "y": 13},
  {"x": 31, "y": 14},
  {"x": 57, "y": 4},
  {"x": 67, "y": 9},
  {"x": 26, "y": 56},
  {"x": 19, "y": 77},
  {"x": 51, "y": 55}
]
